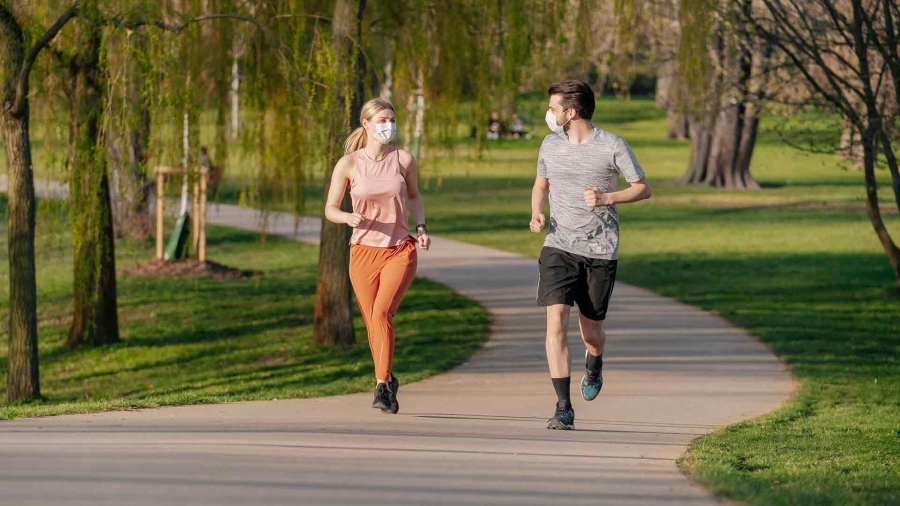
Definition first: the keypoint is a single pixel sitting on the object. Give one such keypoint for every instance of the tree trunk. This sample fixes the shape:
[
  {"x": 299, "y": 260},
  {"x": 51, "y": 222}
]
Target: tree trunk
[
  {"x": 721, "y": 157},
  {"x": 893, "y": 252},
  {"x": 851, "y": 150},
  {"x": 333, "y": 319},
  {"x": 95, "y": 320},
  {"x": 23, "y": 378},
  {"x": 679, "y": 126},
  {"x": 132, "y": 188}
]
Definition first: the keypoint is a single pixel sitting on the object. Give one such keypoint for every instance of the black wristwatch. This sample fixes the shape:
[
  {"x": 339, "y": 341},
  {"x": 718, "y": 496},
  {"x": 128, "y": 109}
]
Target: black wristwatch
[{"x": 421, "y": 228}]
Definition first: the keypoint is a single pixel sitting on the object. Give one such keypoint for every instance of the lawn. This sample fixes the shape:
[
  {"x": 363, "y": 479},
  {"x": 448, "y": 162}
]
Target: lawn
[
  {"x": 797, "y": 264},
  {"x": 199, "y": 340}
]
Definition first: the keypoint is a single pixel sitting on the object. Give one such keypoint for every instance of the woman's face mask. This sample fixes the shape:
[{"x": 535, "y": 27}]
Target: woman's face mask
[{"x": 385, "y": 132}]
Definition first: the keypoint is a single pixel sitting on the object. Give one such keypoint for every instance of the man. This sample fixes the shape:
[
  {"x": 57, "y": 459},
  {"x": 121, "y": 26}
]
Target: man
[
  {"x": 214, "y": 173},
  {"x": 578, "y": 169}
]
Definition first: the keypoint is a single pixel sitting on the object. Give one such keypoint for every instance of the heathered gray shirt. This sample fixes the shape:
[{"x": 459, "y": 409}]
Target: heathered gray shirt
[{"x": 574, "y": 227}]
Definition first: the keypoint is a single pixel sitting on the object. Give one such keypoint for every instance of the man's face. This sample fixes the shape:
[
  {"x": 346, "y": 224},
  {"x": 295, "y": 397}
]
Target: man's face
[{"x": 556, "y": 108}]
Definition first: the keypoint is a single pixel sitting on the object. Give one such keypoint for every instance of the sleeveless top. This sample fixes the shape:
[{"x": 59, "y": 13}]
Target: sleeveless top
[{"x": 378, "y": 192}]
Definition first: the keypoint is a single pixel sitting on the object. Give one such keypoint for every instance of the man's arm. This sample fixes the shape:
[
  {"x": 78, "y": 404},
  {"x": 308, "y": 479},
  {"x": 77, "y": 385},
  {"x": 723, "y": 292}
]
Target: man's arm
[
  {"x": 639, "y": 190},
  {"x": 539, "y": 194}
]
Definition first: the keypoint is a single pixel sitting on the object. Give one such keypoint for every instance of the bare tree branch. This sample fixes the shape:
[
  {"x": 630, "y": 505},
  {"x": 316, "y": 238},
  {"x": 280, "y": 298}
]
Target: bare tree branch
[{"x": 34, "y": 51}]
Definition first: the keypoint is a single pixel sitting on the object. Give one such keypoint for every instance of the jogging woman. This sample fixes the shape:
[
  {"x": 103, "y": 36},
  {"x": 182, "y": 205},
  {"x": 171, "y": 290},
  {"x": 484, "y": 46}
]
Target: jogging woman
[{"x": 383, "y": 256}]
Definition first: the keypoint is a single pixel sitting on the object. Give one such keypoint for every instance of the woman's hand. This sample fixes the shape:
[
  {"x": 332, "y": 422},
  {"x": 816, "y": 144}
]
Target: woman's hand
[
  {"x": 353, "y": 219},
  {"x": 424, "y": 241}
]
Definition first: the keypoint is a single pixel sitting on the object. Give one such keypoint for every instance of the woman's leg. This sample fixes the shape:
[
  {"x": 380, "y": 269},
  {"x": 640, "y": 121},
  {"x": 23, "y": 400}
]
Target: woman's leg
[
  {"x": 396, "y": 276},
  {"x": 365, "y": 274}
]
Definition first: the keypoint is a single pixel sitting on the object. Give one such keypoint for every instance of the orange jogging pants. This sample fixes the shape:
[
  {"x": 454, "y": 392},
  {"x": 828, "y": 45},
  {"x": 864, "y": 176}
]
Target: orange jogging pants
[{"x": 380, "y": 277}]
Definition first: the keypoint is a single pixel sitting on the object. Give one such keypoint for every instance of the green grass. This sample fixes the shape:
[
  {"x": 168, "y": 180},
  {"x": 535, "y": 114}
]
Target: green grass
[
  {"x": 187, "y": 341},
  {"x": 797, "y": 264}
]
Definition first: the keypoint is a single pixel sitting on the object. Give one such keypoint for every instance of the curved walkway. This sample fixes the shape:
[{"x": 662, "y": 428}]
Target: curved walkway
[{"x": 474, "y": 435}]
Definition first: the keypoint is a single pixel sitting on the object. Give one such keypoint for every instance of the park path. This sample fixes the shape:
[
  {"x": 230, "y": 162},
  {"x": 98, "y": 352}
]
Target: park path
[{"x": 474, "y": 435}]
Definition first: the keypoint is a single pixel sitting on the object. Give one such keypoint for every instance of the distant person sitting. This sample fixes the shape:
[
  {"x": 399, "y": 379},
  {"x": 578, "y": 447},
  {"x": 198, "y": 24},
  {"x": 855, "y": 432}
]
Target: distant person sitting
[
  {"x": 517, "y": 128},
  {"x": 495, "y": 126},
  {"x": 213, "y": 174}
]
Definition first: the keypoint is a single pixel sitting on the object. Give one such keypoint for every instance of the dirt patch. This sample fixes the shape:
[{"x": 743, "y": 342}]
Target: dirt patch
[{"x": 190, "y": 267}]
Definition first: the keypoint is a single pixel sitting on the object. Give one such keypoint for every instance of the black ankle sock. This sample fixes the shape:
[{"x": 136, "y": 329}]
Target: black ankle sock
[
  {"x": 594, "y": 363},
  {"x": 594, "y": 366},
  {"x": 561, "y": 385}
]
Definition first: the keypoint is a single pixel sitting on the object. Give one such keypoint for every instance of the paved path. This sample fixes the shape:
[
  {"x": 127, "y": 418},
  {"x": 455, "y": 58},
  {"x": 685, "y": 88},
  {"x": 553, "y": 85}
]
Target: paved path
[{"x": 474, "y": 435}]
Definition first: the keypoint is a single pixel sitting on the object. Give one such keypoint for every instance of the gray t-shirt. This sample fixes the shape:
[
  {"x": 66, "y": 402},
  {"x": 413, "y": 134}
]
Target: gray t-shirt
[{"x": 574, "y": 227}]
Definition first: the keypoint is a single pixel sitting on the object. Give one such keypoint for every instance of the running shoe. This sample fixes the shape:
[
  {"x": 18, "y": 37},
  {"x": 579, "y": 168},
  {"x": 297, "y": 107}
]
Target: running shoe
[
  {"x": 563, "y": 419},
  {"x": 393, "y": 386},
  {"x": 590, "y": 387},
  {"x": 382, "y": 397}
]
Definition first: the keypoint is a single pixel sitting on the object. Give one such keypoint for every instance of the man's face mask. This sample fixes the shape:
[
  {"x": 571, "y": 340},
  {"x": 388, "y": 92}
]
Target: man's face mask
[{"x": 552, "y": 122}]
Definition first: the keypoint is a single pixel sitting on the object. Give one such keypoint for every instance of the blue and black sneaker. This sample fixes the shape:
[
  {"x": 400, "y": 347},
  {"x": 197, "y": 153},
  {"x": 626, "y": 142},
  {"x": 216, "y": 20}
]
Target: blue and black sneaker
[
  {"x": 563, "y": 419},
  {"x": 592, "y": 381}
]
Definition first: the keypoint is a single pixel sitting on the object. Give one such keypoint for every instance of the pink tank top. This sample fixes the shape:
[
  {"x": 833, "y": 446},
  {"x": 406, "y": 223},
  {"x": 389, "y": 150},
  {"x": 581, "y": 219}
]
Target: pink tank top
[{"x": 378, "y": 192}]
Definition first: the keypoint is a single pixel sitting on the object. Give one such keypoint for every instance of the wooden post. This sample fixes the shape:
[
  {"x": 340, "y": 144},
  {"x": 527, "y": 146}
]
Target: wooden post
[
  {"x": 201, "y": 250},
  {"x": 160, "y": 198},
  {"x": 195, "y": 222}
]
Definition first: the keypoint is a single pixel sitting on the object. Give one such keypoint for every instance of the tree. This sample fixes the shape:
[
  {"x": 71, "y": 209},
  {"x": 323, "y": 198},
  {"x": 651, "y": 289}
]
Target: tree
[
  {"x": 724, "y": 67},
  {"x": 95, "y": 320},
  {"x": 333, "y": 319},
  {"x": 23, "y": 380},
  {"x": 847, "y": 53}
]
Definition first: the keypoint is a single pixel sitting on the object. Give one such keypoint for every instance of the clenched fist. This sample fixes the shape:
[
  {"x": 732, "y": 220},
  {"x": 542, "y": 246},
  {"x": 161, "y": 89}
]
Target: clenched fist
[
  {"x": 537, "y": 222},
  {"x": 593, "y": 197},
  {"x": 354, "y": 219}
]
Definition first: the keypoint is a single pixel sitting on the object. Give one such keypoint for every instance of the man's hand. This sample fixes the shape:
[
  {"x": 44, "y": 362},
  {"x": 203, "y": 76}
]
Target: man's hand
[
  {"x": 593, "y": 197},
  {"x": 537, "y": 222}
]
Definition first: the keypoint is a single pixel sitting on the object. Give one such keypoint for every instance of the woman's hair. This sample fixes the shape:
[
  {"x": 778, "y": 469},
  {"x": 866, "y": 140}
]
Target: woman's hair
[{"x": 357, "y": 139}]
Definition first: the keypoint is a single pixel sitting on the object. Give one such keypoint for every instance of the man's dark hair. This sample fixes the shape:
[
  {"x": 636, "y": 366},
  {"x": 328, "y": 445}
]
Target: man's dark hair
[{"x": 576, "y": 95}]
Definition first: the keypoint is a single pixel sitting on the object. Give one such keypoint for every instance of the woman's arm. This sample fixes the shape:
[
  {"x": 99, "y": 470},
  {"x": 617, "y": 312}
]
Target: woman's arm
[
  {"x": 339, "y": 180},
  {"x": 413, "y": 197}
]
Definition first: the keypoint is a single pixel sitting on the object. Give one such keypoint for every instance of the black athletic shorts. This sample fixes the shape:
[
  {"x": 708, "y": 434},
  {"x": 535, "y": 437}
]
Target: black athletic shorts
[{"x": 566, "y": 278}]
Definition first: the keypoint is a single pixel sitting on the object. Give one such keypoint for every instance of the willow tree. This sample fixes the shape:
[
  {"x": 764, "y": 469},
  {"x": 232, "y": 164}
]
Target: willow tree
[
  {"x": 724, "y": 65},
  {"x": 95, "y": 321},
  {"x": 19, "y": 57},
  {"x": 333, "y": 319}
]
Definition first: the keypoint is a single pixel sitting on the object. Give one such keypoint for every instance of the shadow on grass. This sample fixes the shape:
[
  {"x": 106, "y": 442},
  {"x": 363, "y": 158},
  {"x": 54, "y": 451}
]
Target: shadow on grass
[{"x": 834, "y": 317}]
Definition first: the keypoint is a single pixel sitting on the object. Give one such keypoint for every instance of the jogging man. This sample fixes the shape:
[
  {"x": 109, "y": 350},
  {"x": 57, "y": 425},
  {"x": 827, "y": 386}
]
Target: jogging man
[{"x": 578, "y": 169}]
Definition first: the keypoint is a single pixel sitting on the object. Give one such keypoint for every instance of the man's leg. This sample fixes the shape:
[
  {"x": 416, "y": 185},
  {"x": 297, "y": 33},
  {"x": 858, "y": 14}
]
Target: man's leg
[
  {"x": 559, "y": 276},
  {"x": 557, "y": 340},
  {"x": 593, "y": 304},
  {"x": 592, "y": 334}
]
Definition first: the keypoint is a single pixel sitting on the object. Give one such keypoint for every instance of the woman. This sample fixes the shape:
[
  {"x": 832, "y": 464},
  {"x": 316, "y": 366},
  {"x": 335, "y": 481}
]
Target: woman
[{"x": 383, "y": 256}]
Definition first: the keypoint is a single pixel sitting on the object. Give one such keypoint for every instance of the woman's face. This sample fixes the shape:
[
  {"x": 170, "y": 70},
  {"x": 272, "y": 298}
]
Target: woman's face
[{"x": 385, "y": 116}]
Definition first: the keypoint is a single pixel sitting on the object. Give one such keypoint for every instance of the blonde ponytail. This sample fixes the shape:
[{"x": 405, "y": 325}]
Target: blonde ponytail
[
  {"x": 358, "y": 138},
  {"x": 356, "y": 141}
]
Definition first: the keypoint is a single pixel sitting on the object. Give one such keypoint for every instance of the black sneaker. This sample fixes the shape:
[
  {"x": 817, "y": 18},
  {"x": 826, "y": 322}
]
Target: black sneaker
[
  {"x": 563, "y": 419},
  {"x": 393, "y": 386},
  {"x": 382, "y": 397}
]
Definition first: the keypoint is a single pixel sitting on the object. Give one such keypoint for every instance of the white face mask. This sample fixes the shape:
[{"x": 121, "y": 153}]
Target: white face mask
[
  {"x": 385, "y": 132},
  {"x": 550, "y": 118}
]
